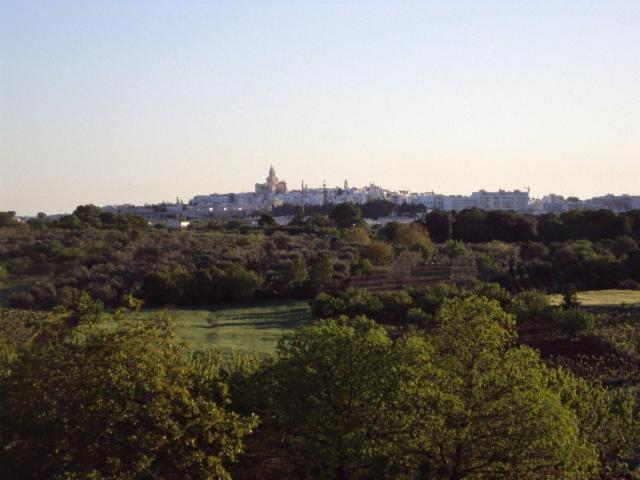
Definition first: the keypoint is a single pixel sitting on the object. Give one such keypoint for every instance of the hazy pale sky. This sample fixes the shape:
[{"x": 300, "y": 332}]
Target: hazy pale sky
[{"x": 141, "y": 101}]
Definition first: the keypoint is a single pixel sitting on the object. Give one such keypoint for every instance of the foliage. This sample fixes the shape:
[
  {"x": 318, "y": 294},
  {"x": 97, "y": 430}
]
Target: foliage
[
  {"x": 378, "y": 253},
  {"x": 574, "y": 321},
  {"x": 357, "y": 235},
  {"x": 346, "y": 215},
  {"x": 608, "y": 418},
  {"x": 500, "y": 417},
  {"x": 343, "y": 400},
  {"x": 7, "y": 218},
  {"x": 378, "y": 208},
  {"x": 266, "y": 221},
  {"x": 531, "y": 306},
  {"x": 321, "y": 271},
  {"x": 124, "y": 403}
]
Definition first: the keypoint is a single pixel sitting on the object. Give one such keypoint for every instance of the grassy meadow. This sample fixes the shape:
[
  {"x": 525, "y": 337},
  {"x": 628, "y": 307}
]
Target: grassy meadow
[
  {"x": 256, "y": 327},
  {"x": 603, "y": 298}
]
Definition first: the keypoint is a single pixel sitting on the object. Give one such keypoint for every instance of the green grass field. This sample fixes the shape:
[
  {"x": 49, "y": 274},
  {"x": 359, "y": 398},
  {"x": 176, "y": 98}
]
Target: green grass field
[
  {"x": 603, "y": 298},
  {"x": 251, "y": 328}
]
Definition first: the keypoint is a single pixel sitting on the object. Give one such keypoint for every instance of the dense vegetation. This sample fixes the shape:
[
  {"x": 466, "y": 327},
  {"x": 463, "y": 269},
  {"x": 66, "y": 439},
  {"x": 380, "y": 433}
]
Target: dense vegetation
[
  {"x": 460, "y": 397},
  {"x": 117, "y": 258},
  {"x": 478, "y": 377}
]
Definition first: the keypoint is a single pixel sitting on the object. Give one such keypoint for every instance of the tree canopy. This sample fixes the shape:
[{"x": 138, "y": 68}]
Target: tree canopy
[{"x": 126, "y": 403}]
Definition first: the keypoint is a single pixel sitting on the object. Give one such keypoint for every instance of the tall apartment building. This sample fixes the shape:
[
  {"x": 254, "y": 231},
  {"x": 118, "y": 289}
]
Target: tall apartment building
[{"x": 500, "y": 200}]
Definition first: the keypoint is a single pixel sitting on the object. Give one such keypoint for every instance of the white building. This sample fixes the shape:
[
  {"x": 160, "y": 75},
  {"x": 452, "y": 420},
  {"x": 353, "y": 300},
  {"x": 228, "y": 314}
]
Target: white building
[{"x": 501, "y": 200}]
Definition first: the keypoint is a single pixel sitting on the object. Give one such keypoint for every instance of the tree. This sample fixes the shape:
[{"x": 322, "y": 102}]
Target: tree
[
  {"x": 471, "y": 226},
  {"x": 123, "y": 403},
  {"x": 379, "y": 253},
  {"x": 608, "y": 417},
  {"x": 346, "y": 215},
  {"x": 321, "y": 271},
  {"x": 437, "y": 223},
  {"x": 69, "y": 221},
  {"x": 500, "y": 418},
  {"x": 294, "y": 275},
  {"x": 239, "y": 283},
  {"x": 531, "y": 306},
  {"x": 7, "y": 218},
  {"x": 358, "y": 235},
  {"x": 570, "y": 298},
  {"x": 266, "y": 221},
  {"x": 378, "y": 208},
  {"x": 89, "y": 214},
  {"x": 334, "y": 400},
  {"x": 343, "y": 400},
  {"x": 158, "y": 288}
]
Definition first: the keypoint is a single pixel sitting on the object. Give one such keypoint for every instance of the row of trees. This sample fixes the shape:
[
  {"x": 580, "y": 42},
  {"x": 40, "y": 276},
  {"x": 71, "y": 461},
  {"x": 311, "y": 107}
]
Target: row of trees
[
  {"x": 476, "y": 226},
  {"x": 341, "y": 399}
]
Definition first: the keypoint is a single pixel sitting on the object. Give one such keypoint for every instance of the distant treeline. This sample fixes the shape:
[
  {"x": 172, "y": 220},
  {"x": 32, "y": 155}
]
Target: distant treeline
[
  {"x": 476, "y": 226},
  {"x": 114, "y": 257}
]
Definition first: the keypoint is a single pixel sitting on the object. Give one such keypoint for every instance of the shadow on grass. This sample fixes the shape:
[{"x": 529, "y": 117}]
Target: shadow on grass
[{"x": 261, "y": 320}]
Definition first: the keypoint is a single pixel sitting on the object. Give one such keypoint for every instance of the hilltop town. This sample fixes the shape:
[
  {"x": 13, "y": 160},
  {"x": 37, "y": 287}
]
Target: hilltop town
[{"x": 274, "y": 193}]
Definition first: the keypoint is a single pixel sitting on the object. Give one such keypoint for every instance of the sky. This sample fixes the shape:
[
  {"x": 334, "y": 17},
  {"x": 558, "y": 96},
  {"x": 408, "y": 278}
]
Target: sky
[{"x": 143, "y": 101}]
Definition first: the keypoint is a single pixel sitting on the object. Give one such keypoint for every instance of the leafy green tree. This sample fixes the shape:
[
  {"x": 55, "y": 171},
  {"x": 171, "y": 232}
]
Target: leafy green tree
[
  {"x": 437, "y": 223},
  {"x": 293, "y": 276},
  {"x": 334, "y": 403},
  {"x": 69, "y": 221},
  {"x": 358, "y": 235},
  {"x": 378, "y": 253},
  {"x": 500, "y": 418},
  {"x": 378, "y": 208},
  {"x": 471, "y": 226},
  {"x": 343, "y": 400},
  {"x": 158, "y": 288},
  {"x": 239, "y": 283},
  {"x": 608, "y": 417},
  {"x": 89, "y": 214},
  {"x": 453, "y": 249},
  {"x": 531, "y": 306},
  {"x": 119, "y": 404},
  {"x": 574, "y": 321},
  {"x": 570, "y": 298},
  {"x": 325, "y": 305},
  {"x": 321, "y": 271},
  {"x": 7, "y": 218},
  {"x": 346, "y": 215}
]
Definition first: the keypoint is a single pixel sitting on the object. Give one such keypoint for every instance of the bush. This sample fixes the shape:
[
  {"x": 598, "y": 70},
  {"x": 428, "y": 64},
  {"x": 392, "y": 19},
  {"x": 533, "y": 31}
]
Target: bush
[
  {"x": 530, "y": 306},
  {"x": 361, "y": 267},
  {"x": 396, "y": 305},
  {"x": 22, "y": 300},
  {"x": 325, "y": 305},
  {"x": 418, "y": 317},
  {"x": 574, "y": 321},
  {"x": 321, "y": 271},
  {"x": 240, "y": 284},
  {"x": 379, "y": 253},
  {"x": 360, "y": 301}
]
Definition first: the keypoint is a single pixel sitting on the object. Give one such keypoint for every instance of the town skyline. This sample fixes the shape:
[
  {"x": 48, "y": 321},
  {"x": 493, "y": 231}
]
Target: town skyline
[{"x": 276, "y": 191}]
